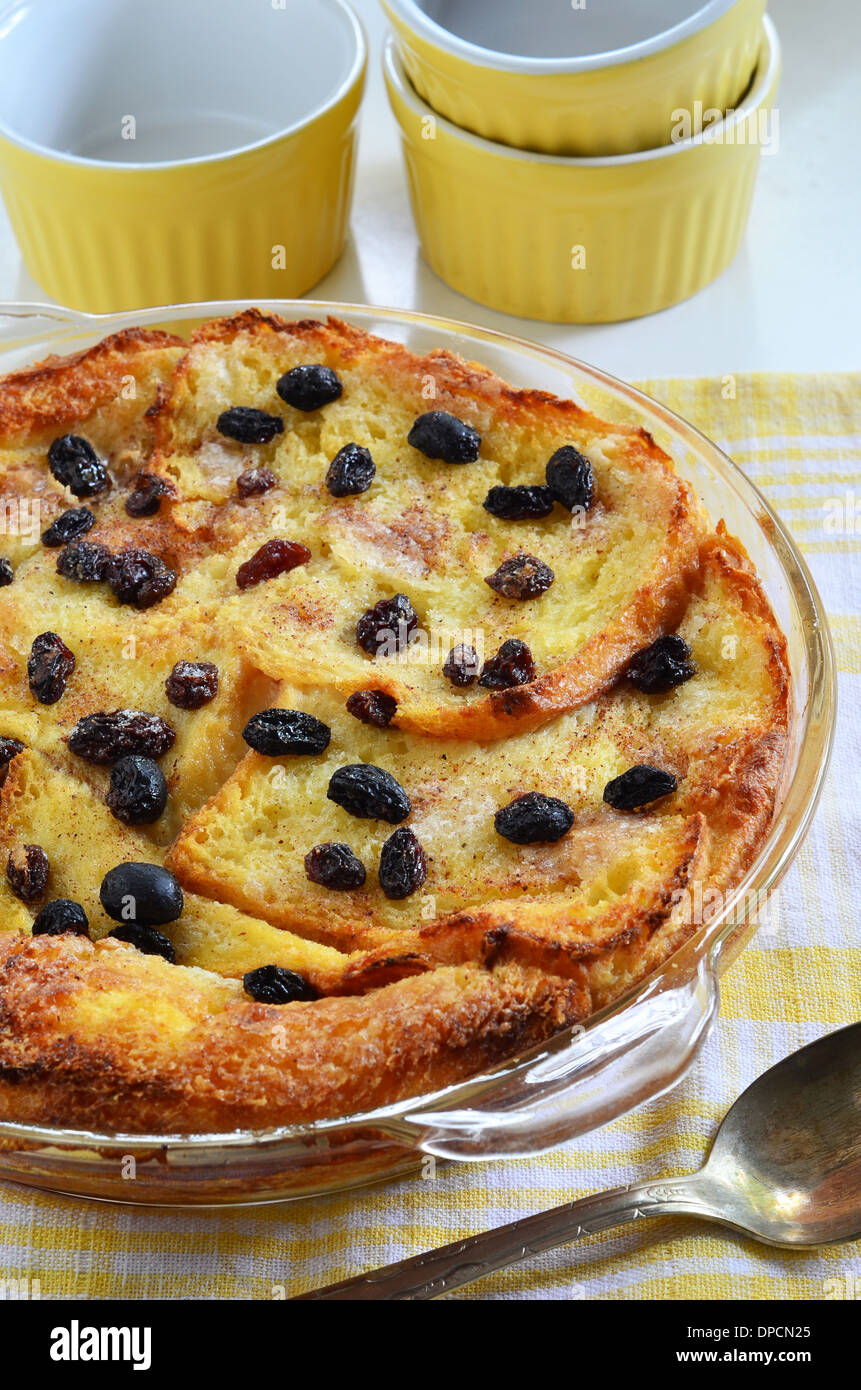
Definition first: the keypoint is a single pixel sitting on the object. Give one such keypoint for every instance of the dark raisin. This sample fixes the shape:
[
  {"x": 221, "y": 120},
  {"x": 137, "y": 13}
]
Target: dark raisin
[
  {"x": 9, "y": 749},
  {"x": 144, "y": 893},
  {"x": 275, "y": 984},
  {"x": 248, "y": 425},
  {"x": 27, "y": 870},
  {"x": 309, "y": 387},
  {"x": 146, "y": 939},
  {"x": 385, "y": 629},
  {"x": 461, "y": 665},
  {"x": 522, "y": 576},
  {"x": 273, "y": 558},
  {"x": 522, "y": 503},
  {"x": 68, "y": 526},
  {"x": 335, "y": 866},
  {"x": 138, "y": 577},
  {"x": 512, "y": 665},
  {"x": 255, "y": 481},
  {"x": 85, "y": 562},
  {"x": 192, "y": 684},
  {"x": 439, "y": 435},
  {"x": 351, "y": 471},
  {"x": 372, "y": 707},
  {"x": 76, "y": 465},
  {"x": 657, "y": 668},
  {"x": 570, "y": 478},
  {"x": 7, "y": 574},
  {"x": 145, "y": 500},
  {"x": 49, "y": 667},
  {"x": 276, "y": 732},
  {"x": 138, "y": 790},
  {"x": 403, "y": 864},
  {"x": 369, "y": 792},
  {"x": 61, "y": 915},
  {"x": 534, "y": 819},
  {"x": 638, "y": 786},
  {"x": 104, "y": 737}
]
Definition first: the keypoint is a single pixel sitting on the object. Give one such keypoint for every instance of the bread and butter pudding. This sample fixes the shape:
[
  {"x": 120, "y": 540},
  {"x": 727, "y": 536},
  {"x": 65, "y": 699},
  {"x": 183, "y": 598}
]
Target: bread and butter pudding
[{"x": 364, "y": 721}]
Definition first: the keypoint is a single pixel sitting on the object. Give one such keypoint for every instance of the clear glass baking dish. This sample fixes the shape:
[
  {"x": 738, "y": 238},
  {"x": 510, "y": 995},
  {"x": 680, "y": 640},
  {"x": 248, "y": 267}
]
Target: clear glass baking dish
[{"x": 627, "y": 1054}]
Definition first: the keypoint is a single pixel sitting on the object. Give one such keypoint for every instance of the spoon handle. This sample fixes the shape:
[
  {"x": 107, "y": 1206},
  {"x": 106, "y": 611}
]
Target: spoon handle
[{"x": 440, "y": 1271}]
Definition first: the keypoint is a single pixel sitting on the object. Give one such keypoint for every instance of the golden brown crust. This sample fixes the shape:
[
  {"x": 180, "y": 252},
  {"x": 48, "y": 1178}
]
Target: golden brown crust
[
  {"x": 193, "y": 1053},
  {"x": 63, "y": 390},
  {"x": 506, "y": 944},
  {"x": 740, "y": 780}
]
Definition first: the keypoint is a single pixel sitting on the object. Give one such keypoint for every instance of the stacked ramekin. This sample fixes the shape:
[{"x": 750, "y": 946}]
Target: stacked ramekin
[{"x": 582, "y": 162}]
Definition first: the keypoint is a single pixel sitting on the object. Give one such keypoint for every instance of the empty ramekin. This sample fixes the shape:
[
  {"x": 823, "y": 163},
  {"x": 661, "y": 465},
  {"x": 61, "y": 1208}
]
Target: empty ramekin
[
  {"x": 163, "y": 152},
  {"x": 583, "y": 240},
  {"x": 576, "y": 79}
]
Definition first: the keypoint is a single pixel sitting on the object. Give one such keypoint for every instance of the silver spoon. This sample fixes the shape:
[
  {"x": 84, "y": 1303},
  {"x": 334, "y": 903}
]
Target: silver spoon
[{"x": 785, "y": 1168}]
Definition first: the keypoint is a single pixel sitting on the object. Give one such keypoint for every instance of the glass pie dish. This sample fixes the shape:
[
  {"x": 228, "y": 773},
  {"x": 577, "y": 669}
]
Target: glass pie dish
[{"x": 626, "y": 1054}]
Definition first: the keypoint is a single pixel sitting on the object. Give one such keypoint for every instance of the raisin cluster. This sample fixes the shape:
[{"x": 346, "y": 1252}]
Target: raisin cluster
[
  {"x": 103, "y": 738},
  {"x": 134, "y": 576}
]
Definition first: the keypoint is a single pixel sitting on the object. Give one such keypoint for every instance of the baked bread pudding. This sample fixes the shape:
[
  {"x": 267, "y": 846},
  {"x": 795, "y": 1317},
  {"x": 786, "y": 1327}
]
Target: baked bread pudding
[{"x": 364, "y": 721}]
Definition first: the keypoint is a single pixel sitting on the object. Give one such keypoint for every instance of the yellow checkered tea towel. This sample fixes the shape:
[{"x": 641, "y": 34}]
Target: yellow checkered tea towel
[{"x": 799, "y": 439}]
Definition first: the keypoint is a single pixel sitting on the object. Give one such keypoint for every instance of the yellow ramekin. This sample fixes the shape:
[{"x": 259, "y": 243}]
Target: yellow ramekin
[
  {"x": 264, "y": 218},
  {"x": 614, "y": 102},
  {"x": 583, "y": 240}
]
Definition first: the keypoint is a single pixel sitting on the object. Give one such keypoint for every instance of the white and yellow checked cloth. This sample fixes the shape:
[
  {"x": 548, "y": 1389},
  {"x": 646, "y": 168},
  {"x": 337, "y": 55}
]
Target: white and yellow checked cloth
[{"x": 799, "y": 439}]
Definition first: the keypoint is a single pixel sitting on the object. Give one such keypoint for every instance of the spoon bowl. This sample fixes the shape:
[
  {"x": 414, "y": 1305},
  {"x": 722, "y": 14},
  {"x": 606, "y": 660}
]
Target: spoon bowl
[{"x": 785, "y": 1165}]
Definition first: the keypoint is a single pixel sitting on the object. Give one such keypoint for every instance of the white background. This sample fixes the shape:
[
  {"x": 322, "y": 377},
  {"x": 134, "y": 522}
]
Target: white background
[{"x": 790, "y": 301}]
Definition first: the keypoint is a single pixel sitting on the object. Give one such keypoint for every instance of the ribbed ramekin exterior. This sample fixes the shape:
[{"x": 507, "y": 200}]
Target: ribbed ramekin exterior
[
  {"x": 576, "y": 243},
  {"x": 264, "y": 223},
  {"x": 610, "y": 111}
]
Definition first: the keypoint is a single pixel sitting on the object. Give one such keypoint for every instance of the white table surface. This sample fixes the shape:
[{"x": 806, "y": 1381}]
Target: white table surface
[{"x": 790, "y": 301}]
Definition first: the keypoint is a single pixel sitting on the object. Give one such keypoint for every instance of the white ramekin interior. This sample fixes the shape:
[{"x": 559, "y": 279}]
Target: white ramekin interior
[
  {"x": 556, "y": 35},
  {"x": 159, "y": 81}
]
